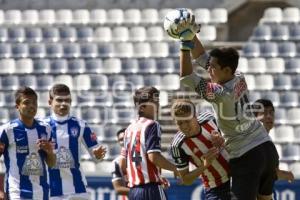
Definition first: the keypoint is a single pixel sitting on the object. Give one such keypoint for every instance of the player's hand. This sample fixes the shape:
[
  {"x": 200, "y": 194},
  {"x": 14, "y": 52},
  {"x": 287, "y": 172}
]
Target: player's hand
[
  {"x": 99, "y": 152},
  {"x": 217, "y": 140},
  {"x": 45, "y": 145},
  {"x": 165, "y": 183},
  {"x": 285, "y": 175},
  {"x": 211, "y": 155}
]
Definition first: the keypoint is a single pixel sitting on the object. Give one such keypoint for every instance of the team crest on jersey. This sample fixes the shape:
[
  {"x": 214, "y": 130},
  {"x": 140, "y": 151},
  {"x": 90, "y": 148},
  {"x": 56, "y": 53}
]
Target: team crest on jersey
[
  {"x": 211, "y": 90},
  {"x": 64, "y": 158},
  {"x": 93, "y": 136},
  {"x": 32, "y": 165},
  {"x": 74, "y": 131}
]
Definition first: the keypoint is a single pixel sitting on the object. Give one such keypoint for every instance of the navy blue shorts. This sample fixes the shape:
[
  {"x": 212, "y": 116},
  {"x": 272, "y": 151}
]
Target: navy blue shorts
[
  {"x": 221, "y": 192},
  {"x": 254, "y": 172},
  {"x": 149, "y": 191}
]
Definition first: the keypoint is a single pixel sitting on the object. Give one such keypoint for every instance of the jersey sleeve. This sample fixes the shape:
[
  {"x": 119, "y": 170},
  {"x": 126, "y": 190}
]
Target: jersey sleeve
[
  {"x": 153, "y": 138},
  {"x": 209, "y": 91},
  {"x": 202, "y": 60},
  {"x": 180, "y": 157},
  {"x": 116, "y": 171},
  {"x": 89, "y": 137}
]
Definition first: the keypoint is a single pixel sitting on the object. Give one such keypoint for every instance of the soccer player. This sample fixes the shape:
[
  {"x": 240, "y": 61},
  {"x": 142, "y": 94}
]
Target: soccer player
[
  {"x": 192, "y": 144},
  {"x": 27, "y": 149},
  {"x": 142, "y": 149},
  {"x": 66, "y": 179},
  {"x": 265, "y": 112},
  {"x": 252, "y": 155},
  {"x": 119, "y": 179}
]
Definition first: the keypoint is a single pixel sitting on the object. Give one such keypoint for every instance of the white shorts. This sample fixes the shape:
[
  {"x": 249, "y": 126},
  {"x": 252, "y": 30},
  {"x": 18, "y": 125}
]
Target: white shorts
[{"x": 80, "y": 196}]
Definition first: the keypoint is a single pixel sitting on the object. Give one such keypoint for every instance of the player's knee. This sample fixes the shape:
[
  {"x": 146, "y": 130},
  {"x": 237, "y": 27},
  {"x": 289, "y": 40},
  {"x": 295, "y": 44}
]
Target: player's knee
[{"x": 264, "y": 197}]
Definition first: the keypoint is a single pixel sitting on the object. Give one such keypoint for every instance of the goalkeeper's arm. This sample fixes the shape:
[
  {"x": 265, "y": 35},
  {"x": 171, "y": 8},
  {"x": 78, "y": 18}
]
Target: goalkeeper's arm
[{"x": 199, "y": 54}]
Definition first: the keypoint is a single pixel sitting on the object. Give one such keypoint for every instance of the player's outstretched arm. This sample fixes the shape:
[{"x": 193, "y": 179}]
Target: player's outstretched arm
[
  {"x": 157, "y": 159},
  {"x": 99, "y": 152},
  {"x": 285, "y": 175}
]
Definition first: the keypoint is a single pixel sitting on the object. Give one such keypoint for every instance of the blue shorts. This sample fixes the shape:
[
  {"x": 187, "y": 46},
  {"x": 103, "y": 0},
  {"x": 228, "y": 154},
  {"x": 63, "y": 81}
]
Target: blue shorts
[
  {"x": 221, "y": 192},
  {"x": 147, "y": 191}
]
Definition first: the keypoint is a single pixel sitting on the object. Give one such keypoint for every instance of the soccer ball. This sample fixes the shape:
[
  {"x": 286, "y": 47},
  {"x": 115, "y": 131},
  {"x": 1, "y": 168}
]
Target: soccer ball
[{"x": 172, "y": 19}]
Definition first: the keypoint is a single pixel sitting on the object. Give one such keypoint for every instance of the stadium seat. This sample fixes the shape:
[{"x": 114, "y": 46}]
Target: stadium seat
[
  {"x": 284, "y": 134},
  {"x": 162, "y": 14},
  {"x": 82, "y": 82},
  {"x": 254, "y": 95},
  {"x": 174, "y": 49},
  {"x": 170, "y": 82},
  {"x": 91, "y": 115},
  {"x": 262, "y": 32},
  {"x": 98, "y": 16},
  {"x": 142, "y": 49},
  {"x": 125, "y": 115},
  {"x": 122, "y": 99},
  {"x": 24, "y": 66},
  {"x": 71, "y": 50},
  {"x": 289, "y": 99},
  {"x": 88, "y": 167},
  {"x": 65, "y": 79},
  {"x": 4, "y": 116},
  {"x": 290, "y": 152},
  {"x": 250, "y": 80},
  {"x": 85, "y": 34},
  {"x": 37, "y": 50},
  {"x": 51, "y": 34},
  {"x": 10, "y": 102},
  {"x": 7, "y": 66},
  {"x": 251, "y": 49},
  {"x": 59, "y": 66},
  {"x": 147, "y": 65},
  {"x": 88, "y": 50},
  {"x": 105, "y": 50},
  {"x": 10, "y": 82},
  {"x": 76, "y": 66},
  {"x": 30, "y": 17},
  {"x": 33, "y": 34},
  {"x": 20, "y": 50},
  {"x": 218, "y": 16},
  {"x": 282, "y": 82},
  {"x": 105, "y": 99},
  {"x": 99, "y": 82},
  {"x": 264, "y": 82},
  {"x": 13, "y": 17},
  {"x": 93, "y": 65},
  {"x": 293, "y": 116},
  {"x": 120, "y": 34},
  {"x": 208, "y": 33},
  {"x": 85, "y": 98},
  {"x": 112, "y": 66},
  {"x": 103, "y": 34},
  {"x": 280, "y": 116},
  {"x": 242, "y": 65},
  {"x": 132, "y": 16},
  {"x": 108, "y": 133},
  {"x": 81, "y": 16},
  {"x": 137, "y": 34},
  {"x": 46, "y": 16},
  {"x": 272, "y": 15},
  {"x": 68, "y": 34},
  {"x": 2, "y": 17},
  {"x": 295, "y": 168},
  {"x": 28, "y": 80},
  {"x": 297, "y": 134},
  {"x": 136, "y": 81},
  {"x": 41, "y": 66},
  {"x": 292, "y": 65},
  {"x": 130, "y": 65},
  {"x": 54, "y": 50},
  {"x": 114, "y": 16},
  {"x": 202, "y": 15},
  {"x": 269, "y": 49},
  {"x": 5, "y": 50},
  {"x": 63, "y": 16},
  {"x": 165, "y": 65},
  {"x": 123, "y": 50},
  {"x": 3, "y": 34},
  {"x": 273, "y": 96},
  {"x": 256, "y": 65},
  {"x": 291, "y": 15},
  {"x": 159, "y": 49},
  {"x": 117, "y": 82},
  {"x": 280, "y": 32},
  {"x": 155, "y": 33},
  {"x": 16, "y": 34},
  {"x": 149, "y": 16},
  {"x": 113, "y": 151},
  {"x": 44, "y": 82},
  {"x": 294, "y": 32},
  {"x": 287, "y": 49},
  {"x": 275, "y": 65},
  {"x": 153, "y": 80}
]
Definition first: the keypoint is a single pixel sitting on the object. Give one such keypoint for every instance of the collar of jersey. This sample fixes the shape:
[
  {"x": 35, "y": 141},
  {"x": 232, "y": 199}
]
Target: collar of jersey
[
  {"x": 60, "y": 120},
  {"x": 22, "y": 124}
]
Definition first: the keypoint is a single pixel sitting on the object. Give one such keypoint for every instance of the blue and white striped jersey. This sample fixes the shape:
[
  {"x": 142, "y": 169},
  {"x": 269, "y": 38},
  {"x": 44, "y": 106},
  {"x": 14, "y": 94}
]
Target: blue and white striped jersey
[
  {"x": 26, "y": 173},
  {"x": 66, "y": 177}
]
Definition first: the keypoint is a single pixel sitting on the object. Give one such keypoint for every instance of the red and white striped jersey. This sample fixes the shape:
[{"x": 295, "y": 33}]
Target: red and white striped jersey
[
  {"x": 190, "y": 149},
  {"x": 142, "y": 137}
]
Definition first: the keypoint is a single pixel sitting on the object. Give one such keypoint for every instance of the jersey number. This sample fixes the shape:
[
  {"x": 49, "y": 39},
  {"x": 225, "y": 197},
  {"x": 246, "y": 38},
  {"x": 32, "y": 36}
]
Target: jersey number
[{"x": 135, "y": 152}]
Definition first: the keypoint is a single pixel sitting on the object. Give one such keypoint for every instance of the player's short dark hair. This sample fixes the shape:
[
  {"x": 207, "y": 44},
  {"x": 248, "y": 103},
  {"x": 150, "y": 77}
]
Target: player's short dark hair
[
  {"x": 182, "y": 107},
  {"x": 120, "y": 131},
  {"x": 24, "y": 91},
  {"x": 227, "y": 57},
  {"x": 145, "y": 94},
  {"x": 59, "y": 89},
  {"x": 266, "y": 103}
]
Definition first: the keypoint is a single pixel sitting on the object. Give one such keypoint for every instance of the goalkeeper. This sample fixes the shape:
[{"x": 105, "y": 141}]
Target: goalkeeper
[{"x": 252, "y": 155}]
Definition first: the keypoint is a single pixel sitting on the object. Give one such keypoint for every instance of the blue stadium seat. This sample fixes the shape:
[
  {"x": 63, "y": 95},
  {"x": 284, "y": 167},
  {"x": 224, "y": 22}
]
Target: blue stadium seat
[
  {"x": 51, "y": 34},
  {"x": 37, "y": 50},
  {"x": 54, "y": 50},
  {"x": 289, "y": 99},
  {"x": 147, "y": 65},
  {"x": 262, "y": 32},
  {"x": 282, "y": 82},
  {"x": 110, "y": 132},
  {"x": 287, "y": 49},
  {"x": 251, "y": 49},
  {"x": 16, "y": 34},
  {"x": 153, "y": 80},
  {"x": 268, "y": 49},
  {"x": 280, "y": 32},
  {"x": 291, "y": 152},
  {"x": 122, "y": 98},
  {"x": 3, "y": 34},
  {"x": 89, "y": 50},
  {"x": 4, "y": 116},
  {"x": 296, "y": 82},
  {"x": 292, "y": 65},
  {"x": 68, "y": 34},
  {"x": 105, "y": 49},
  {"x": 165, "y": 65},
  {"x": 10, "y": 82},
  {"x": 28, "y": 80},
  {"x": 104, "y": 99},
  {"x": 10, "y": 102},
  {"x": 41, "y": 66},
  {"x": 99, "y": 82},
  {"x": 5, "y": 50},
  {"x": 117, "y": 82},
  {"x": 85, "y": 34},
  {"x": 294, "y": 32},
  {"x": 71, "y": 50},
  {"x": 20, "y": 50},
  {"x": 273, "y": 96},
  {"x": 93, "y": 65},
  {"x": 174, "y": 49},
  {"x": 91, "y": 115},
  {"x": 280, "y": 116},
  {"x": 59, "y": 66},
  {"x": 125, "y": 115},
  {"x": 130, "y": 65},
  {"x": 76, "y": 66},
  {"x": 136, "y": 81},
  {"x": 44, "y": 82},
  {"x": 34, "y": 34}
]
